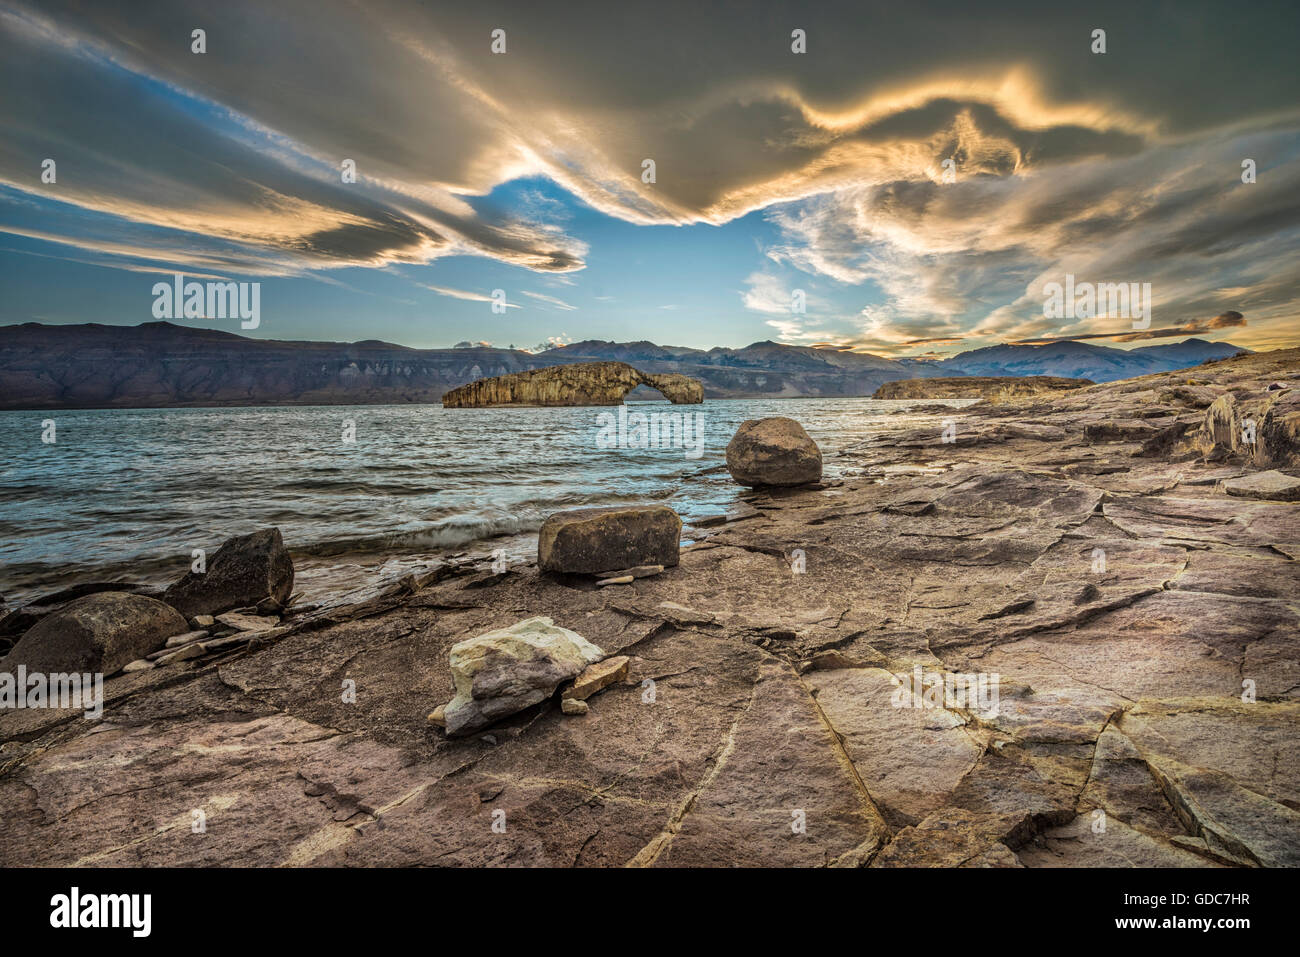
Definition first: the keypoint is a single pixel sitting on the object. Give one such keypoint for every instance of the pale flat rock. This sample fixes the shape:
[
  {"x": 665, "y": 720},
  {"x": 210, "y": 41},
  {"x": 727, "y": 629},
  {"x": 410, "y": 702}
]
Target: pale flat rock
[
  {"x": 780, "y": 794},
  {"x": 247, "y": 622},
  {"x": 1228, "y": 768},
  {"x": 1232, "y": 818},
  {"x": 1272, "y": 486},
  {"x": 190, "y": 636},
  {"x": 192, "y": 650},
  {"x": 598, "y": 677}
]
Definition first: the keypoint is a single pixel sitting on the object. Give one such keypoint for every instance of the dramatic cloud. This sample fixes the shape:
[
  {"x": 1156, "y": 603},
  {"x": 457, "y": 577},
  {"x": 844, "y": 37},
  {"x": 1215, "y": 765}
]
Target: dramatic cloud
[{"x": 945, "y": 161}]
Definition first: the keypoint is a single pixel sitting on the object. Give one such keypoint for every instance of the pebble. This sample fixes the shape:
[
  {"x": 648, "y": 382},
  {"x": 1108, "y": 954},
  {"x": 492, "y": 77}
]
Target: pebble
[{"x": 620, "y": 580}]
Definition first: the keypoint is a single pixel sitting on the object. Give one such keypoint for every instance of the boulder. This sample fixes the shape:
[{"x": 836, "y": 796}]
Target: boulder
[
  {"x": 773, "y": 451},
  {"x": 175, "y": 641},
  {"x": 595, "y": 540},
  {"x": 246, "y": 570},
  {"x": 15, "y": 622},
  {"x": 100, "y": 633},
  {"x": 505, "y": 671}
]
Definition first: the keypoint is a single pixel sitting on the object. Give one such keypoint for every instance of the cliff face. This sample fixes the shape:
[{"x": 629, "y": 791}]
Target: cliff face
[
  {"x": 161, "y": 365},
  {"x": 976, "y": 387},
  {"x": 585, "y": 383}
]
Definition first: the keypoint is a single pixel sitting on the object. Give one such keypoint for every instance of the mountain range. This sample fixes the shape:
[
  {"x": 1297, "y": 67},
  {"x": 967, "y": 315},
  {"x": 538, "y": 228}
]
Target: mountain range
[{"x": 160, "y": 364}]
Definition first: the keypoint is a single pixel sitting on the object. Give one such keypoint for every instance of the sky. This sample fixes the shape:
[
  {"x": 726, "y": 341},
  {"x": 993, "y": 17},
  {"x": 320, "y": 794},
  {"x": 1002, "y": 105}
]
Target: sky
[{"x": 904, "y": 178}]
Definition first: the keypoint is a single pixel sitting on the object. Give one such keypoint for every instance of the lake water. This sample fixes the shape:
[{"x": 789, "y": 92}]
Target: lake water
[{"x": 130, "y": 492}]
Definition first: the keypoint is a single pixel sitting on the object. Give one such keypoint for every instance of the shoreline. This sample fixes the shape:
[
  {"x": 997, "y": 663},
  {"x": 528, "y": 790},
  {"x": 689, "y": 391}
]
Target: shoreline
[
  {"x": 1117, "y": 584},
  {"x": 431, "y": 539}
]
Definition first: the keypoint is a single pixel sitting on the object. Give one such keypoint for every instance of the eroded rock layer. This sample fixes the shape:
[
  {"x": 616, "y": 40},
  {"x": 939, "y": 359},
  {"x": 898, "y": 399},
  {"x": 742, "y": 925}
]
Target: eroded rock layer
[
  {"x": 1143, "y": 625},
  {"x": 976, "y": 387}
]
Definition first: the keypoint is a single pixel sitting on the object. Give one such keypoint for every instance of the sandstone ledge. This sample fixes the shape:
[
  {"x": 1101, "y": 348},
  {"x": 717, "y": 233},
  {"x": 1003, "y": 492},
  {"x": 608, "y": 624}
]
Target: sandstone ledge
[
  {"x": 976, "y": 387},
  {"x": 1121, "y": 595}
]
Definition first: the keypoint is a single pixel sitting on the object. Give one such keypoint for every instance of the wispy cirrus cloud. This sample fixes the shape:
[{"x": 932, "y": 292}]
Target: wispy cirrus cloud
[{"x": 550, "y": 301}]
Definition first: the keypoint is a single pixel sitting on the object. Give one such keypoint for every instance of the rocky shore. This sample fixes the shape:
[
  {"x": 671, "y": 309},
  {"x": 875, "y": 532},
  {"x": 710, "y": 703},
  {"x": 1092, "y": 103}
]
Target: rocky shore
[
  {"x": 1055, "y": 630},
  {"x": 976, "y": 387}
]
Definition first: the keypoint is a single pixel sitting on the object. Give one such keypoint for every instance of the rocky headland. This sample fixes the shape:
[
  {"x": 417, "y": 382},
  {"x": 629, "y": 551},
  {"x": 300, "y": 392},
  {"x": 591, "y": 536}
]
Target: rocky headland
[
  {"x": 585, "y": 383},
  {"x": 976, "y": 387},
  {"x": 1056, "y": 630}
]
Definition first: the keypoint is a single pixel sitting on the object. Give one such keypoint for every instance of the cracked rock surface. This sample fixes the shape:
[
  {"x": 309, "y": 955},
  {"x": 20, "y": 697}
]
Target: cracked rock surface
[{"x": 1142, "y": 622}]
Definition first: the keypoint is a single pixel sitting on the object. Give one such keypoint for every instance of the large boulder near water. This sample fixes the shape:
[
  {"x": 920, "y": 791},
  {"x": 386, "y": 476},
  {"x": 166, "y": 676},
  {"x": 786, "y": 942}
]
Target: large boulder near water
[
  {"x": 505, "y": 671},
  {"x": 246, "y": 570},
  {"x": 15, "y": 622},
  {"x": 97, "y": 633},
  {"x": 773, "y": 451},
  {"x": 594, "y": 540}
]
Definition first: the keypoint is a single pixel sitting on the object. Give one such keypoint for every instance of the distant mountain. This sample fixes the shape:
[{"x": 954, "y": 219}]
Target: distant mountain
[
  {"x": 762, "y": 369},
  {"x": 1081, "y": 360},
  {"x": 159, "y": 364}
]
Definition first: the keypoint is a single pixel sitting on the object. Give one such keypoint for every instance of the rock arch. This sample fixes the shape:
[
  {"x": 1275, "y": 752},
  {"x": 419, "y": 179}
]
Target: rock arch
[{"x": 582, "y": 383}]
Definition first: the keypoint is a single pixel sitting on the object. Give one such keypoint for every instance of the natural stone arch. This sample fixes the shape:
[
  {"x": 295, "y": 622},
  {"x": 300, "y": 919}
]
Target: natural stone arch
[{"x": 582, "y": 383}]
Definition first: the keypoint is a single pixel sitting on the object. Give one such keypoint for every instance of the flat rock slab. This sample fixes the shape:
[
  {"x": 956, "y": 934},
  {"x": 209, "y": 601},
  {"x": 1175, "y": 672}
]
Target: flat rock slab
[
  {"x": 598, "y": 677},
  {"x": 1272, "y": 485},
  {"x": 247, "y": 622}
]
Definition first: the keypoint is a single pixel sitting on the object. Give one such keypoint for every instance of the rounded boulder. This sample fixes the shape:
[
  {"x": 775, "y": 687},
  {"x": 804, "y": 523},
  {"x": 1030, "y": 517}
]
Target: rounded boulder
[
  {"x": 773, "y": 451},
  {"x": 99, "y": 633}
]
